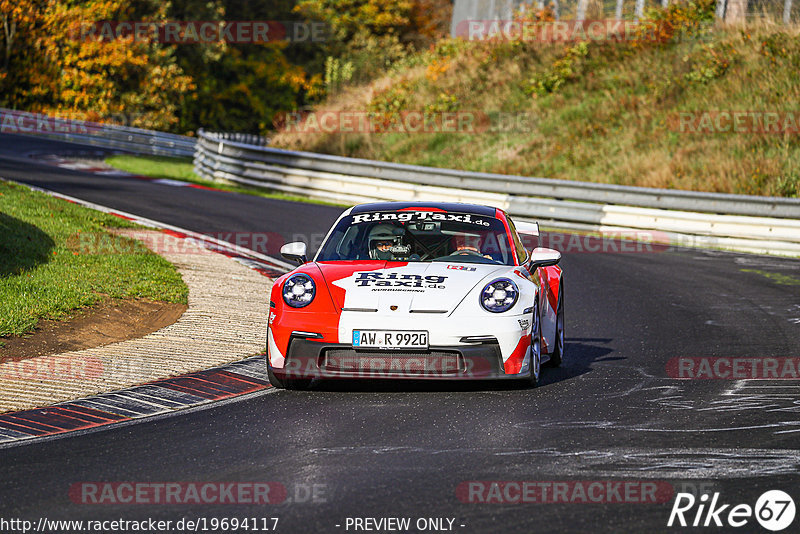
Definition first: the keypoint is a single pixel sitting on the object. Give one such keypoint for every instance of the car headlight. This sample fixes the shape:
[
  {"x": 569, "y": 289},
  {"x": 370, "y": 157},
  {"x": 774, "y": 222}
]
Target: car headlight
[
  {"x": 499, "y": 295},
  {"x": 299, "y": 290}
]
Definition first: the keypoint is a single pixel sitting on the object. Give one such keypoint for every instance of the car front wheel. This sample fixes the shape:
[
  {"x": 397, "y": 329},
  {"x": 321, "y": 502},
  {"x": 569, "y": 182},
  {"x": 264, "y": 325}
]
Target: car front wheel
[
  {"x": 557, "y": 357},
  {"x": 536, "y": 349},
  {"x": 282, "y": 382}
]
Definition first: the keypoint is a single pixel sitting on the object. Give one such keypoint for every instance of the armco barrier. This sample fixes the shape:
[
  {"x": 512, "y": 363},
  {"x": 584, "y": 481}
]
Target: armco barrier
[
  {"x": 738, "y": 222},
  {"x": 102, "y": 135}
]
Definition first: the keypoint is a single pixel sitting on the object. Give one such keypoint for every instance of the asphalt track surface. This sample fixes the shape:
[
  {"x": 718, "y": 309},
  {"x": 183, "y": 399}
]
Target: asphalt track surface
[{"x": 401, "y": 449}]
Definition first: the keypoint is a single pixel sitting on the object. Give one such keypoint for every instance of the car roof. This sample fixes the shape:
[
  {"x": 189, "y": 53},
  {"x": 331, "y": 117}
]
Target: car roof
[{"x": 456, "y": 207}]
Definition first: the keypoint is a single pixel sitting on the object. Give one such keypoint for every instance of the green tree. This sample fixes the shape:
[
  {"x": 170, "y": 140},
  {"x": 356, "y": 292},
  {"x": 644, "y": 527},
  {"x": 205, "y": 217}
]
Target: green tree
[{"x": 242, "y": 86}]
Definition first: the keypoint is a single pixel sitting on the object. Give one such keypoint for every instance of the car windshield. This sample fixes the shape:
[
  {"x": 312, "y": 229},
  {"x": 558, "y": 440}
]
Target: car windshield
[{"x": 418, "y": 236}]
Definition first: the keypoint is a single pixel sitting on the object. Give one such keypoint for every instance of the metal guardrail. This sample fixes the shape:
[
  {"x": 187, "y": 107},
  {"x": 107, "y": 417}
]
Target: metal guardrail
[
  {"x": 137, "y": 140},
  {"x": 246, "y": 138},
  {"x": 739, "y": 222},
  {"x": 238, "y": 153},
  {"x": 760, "y": 224}
]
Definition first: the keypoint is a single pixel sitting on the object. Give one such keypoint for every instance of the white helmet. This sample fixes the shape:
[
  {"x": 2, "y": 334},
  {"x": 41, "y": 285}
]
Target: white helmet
[{"x": 382, "y": 239}]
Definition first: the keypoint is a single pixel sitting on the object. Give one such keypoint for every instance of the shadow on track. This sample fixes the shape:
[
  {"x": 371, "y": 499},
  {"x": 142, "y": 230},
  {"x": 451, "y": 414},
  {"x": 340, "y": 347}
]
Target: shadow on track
[{"x": 580, "y": 354}]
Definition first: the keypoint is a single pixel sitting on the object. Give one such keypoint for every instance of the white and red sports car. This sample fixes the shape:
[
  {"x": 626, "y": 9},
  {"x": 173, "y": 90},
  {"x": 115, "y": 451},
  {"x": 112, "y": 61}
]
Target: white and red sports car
[{"x": 417, "y": 290}]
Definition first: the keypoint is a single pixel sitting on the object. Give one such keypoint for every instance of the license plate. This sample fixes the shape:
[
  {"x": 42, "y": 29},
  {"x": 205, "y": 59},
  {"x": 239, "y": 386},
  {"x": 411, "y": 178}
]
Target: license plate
[{"x": 390, "y": 339}]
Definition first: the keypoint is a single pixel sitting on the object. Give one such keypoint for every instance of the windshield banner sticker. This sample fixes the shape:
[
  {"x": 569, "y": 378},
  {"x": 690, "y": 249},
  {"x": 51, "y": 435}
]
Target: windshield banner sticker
[{"x": 421, "y": 216}]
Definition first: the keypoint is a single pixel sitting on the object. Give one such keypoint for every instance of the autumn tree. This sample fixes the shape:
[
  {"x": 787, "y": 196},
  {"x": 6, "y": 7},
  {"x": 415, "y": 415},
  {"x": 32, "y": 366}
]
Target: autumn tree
[
  {"x": 242, "y": 86},
  {"x": 367, "y": 36},
  {"x": 55, "y": 67},
  {"x": 48, "y": 64}
]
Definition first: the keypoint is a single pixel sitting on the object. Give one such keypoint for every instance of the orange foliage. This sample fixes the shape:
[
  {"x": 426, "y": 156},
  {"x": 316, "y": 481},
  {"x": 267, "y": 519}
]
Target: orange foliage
[{"x": 50, "y": 68}]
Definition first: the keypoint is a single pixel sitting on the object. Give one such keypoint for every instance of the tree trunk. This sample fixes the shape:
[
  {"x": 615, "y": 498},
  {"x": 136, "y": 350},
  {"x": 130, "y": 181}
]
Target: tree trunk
[
  {"x": 736, "y": 11},
  {"x": 720, "y": 12},
  {"x": 580, "y": 16},
  {"x": 639, "y": 9},
  {"x": 8, "y": 31}
]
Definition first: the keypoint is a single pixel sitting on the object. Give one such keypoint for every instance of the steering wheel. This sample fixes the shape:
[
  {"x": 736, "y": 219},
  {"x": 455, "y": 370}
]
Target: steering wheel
[{"x": 466, "y": 252}]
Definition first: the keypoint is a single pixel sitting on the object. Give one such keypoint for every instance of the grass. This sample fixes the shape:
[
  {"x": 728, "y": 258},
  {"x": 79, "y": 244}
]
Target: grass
[
  {"x": 602, "y": 111},
  {"x": 45, "y": 275},
  {"x": 155, "y": 166},
  {"x": 778, "y": 278},
  {"x": 183, "y": 169}
]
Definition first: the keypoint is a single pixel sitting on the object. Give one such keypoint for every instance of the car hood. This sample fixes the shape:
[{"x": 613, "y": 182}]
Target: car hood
[{"x": 414, "y": 287}]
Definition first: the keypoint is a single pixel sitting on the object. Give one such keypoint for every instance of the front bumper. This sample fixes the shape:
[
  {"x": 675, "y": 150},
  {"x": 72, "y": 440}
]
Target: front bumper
[{"x": 307, "y": 358}]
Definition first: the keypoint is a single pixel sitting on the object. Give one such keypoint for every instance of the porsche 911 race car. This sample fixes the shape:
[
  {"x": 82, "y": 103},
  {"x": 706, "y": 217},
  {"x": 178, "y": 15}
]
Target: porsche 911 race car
[{"x": 417, "y": 290}]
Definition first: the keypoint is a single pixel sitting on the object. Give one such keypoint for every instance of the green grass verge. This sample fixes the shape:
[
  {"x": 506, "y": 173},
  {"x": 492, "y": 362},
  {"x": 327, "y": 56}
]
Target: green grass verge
[
  {"x": 778, "y": 278},
  {"x": 44, "y": 274},
  {"x": 156, "y": 166},
  {"x": 183, "y": 169}
]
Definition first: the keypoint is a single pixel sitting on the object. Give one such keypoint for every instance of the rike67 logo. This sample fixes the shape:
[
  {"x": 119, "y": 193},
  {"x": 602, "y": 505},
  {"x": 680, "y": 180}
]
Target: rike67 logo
[{"x": 774, "y": 510}]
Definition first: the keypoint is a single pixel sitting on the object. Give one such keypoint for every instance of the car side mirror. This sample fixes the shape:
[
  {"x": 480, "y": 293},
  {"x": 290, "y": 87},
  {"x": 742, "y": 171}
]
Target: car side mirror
[
  {"x": 544, "y": 257},
  {"x": 295, "y": 251}
]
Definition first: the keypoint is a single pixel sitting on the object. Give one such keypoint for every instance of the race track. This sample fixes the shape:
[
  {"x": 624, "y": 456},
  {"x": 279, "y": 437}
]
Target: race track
[{"x": 402, "y": 449}]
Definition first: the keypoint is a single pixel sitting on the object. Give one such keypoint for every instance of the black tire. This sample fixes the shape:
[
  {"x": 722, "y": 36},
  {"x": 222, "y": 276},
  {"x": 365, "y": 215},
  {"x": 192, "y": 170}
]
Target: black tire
[
  {"x": 557, "y": 357},
  {"x": 286, "y": 383},
  {"x": 536, "y": 349}
]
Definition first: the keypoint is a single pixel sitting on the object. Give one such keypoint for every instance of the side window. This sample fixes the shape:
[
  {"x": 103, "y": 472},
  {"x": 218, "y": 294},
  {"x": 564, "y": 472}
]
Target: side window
[{"x": 522, "y": 254}]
